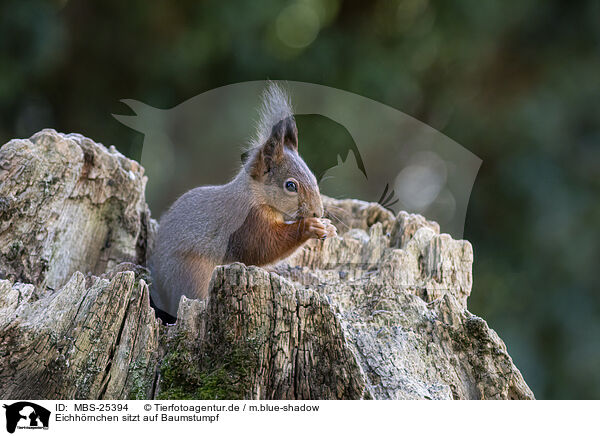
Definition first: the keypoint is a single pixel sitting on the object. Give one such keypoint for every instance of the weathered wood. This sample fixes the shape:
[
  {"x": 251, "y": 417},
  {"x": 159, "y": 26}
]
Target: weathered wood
[
  {"x": 94, "y": 338},
  {"x": 68, "y": 204},
  {"x": 378, "y": 312}
]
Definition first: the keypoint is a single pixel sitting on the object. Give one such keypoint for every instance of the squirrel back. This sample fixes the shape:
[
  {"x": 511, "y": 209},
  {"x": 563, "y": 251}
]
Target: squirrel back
[{"x": 269, "y": 209}]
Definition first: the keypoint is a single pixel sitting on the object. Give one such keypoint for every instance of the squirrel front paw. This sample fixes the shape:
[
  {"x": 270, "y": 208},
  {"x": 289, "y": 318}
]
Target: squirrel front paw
[{"x": 319, "y": 228}]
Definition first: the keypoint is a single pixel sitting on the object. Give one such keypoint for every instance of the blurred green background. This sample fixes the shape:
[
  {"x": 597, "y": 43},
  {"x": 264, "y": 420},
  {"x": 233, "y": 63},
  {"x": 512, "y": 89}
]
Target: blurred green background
[{"x": 516, "y": 83}]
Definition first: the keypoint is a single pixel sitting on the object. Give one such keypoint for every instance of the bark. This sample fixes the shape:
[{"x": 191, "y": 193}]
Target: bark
[{"x": 378, "y": 312}]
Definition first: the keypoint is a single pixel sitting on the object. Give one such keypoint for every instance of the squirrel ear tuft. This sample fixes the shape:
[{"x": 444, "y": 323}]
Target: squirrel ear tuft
[
  {"x": 290, "y": 133},
  {"x": 283, "y": 134}
]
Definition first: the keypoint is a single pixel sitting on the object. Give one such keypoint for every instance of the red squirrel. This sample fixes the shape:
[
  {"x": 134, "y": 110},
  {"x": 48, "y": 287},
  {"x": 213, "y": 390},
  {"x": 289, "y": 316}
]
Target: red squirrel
[{"x": 270, "y": 208}]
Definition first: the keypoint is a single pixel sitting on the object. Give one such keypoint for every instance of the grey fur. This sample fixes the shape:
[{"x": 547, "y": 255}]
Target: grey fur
[{"x": 200, "y": 221}]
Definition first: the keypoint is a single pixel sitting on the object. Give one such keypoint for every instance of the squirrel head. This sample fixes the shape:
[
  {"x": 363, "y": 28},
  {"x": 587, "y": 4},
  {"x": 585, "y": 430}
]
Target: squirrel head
[{"x": 279, "y": 176}]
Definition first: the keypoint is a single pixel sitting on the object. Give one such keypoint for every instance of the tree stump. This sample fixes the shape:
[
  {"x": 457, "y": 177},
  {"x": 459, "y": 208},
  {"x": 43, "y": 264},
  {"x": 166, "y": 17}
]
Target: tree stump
[{"x": 379, "y": 312}]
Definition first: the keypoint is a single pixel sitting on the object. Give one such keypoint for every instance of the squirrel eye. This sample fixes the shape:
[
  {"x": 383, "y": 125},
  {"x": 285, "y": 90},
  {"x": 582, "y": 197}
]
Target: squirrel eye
[{"x": 291, "y": 186}]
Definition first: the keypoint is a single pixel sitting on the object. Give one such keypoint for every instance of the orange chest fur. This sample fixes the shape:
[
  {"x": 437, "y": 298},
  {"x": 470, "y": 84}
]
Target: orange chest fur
[{"x": 263, "y": 239}]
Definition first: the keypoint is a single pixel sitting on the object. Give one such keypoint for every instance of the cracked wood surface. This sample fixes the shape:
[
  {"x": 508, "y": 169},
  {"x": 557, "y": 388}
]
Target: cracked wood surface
[
  {"x": 378, "y": 312},
  {"x": 84, "y": 341},
  {"x": 68, "y": 204}
]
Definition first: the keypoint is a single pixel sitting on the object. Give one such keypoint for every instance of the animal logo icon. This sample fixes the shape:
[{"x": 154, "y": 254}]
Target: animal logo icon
[
  {"x": 391, "y": 157},
  {"x": 26, "y": 415}
]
